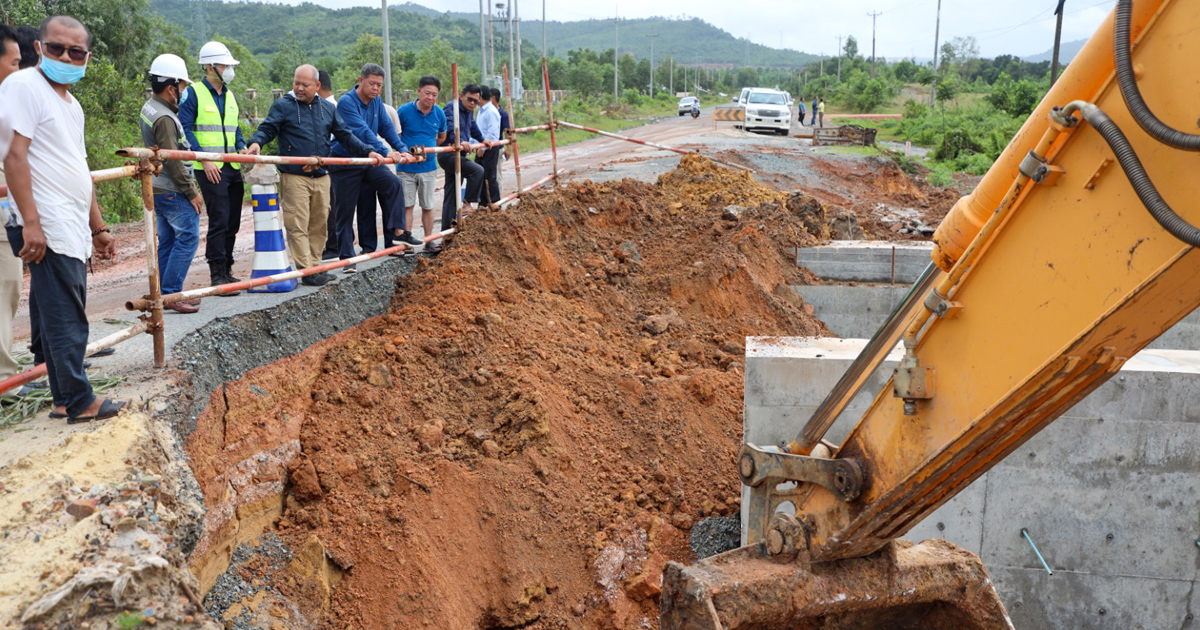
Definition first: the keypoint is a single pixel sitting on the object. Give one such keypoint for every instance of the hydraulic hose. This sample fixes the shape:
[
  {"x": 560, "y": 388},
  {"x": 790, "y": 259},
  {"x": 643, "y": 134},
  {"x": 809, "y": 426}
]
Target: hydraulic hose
[
  {"x": 1136, "y": 173},
  {"x": 1156, "y": 128}
]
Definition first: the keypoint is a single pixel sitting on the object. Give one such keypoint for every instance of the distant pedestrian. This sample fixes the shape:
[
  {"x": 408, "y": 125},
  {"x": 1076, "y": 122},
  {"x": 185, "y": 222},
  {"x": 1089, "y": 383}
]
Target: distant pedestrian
[
  {"x": 800, "y": 104},
  {"x": 488, "y": 120},
  {"x": 364, "y": 115},
  {"x": 303, "y": 122},
  {"x": 472, "y": 173},
  {"x": 422, "y": 124},
  {"x": 821, "y": 112},
  {"x": 177, "y": 200},
  {"x": 209, "y": 115},
  {"x": 815, "y": 104},
  {"x": 505, "y": 124},
  {"x": 58, "y": 225}
]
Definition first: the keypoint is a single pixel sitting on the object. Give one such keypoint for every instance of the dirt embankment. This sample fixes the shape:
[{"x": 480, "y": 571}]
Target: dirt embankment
[{"x": 534, "y": 428}]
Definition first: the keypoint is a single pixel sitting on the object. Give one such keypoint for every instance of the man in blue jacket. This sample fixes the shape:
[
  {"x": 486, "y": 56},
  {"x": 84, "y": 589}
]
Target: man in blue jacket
[
  {"x": 303, "y": 123},
  {"x": 472, "y": 173},
  {"x": 362, "y": 110}
]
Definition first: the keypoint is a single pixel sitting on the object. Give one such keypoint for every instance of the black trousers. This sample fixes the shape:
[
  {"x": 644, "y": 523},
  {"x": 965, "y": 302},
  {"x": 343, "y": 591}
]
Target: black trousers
[
  {"x": 349, "y": 182},
  {"x": 490, "y": 161},
  {"x": 58, "y": 323},
  {"x": 223, "y": 202},
  {"x": 472, "y": 175}
]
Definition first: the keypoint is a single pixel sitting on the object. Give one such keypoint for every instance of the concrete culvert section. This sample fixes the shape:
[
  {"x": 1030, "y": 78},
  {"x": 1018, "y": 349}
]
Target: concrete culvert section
[{"x": 526, "y": 436}]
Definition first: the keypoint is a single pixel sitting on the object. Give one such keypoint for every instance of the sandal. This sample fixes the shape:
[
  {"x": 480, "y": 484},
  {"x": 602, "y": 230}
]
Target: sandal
[{"x": 108, "y": 409}]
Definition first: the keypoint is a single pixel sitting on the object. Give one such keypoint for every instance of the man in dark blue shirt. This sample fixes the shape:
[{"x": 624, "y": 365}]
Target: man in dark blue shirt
[
  {"x": 363, "y": 112},
  {"x": 461, "y": 136}
]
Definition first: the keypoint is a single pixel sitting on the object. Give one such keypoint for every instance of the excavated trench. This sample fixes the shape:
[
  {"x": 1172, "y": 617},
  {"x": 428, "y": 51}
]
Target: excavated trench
[{"x": 530, "y": 431}]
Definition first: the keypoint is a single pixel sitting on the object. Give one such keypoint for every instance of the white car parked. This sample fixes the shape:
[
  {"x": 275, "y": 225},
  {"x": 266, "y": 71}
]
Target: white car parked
[{"x": 768, "y": 109}]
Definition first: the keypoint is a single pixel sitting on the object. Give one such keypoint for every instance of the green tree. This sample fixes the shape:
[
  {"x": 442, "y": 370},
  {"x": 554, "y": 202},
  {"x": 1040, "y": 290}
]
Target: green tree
[
  {"x": 850, "y": 48},
  {"x": 290, "y": 56},
  {"x": 250, "y": 71},
  {"x": 1017, "y": 98}
]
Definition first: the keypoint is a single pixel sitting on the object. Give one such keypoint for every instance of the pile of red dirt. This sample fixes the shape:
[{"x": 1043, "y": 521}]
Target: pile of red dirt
[{"x": 547, "y": 409}]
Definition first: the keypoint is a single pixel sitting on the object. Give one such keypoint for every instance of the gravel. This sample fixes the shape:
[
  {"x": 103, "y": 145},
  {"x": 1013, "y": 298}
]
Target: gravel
[
  {"x": 715, "y": 535},
  {"x": 232, "y": 588}
]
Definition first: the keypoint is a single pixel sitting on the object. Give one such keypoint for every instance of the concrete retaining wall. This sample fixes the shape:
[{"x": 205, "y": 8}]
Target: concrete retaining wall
[
  {"x": 856, "y": 312},
  {"x": 1109, "y": 492},
  {"x": 867, "y": 261}
]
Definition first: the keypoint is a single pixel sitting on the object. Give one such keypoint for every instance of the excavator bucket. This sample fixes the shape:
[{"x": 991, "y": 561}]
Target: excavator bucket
[{"x": 933, "y": 585}]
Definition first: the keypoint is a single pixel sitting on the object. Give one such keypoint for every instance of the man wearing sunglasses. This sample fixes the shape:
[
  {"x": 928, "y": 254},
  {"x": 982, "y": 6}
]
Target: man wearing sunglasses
[
  {"x": 58, "y": 225},
  {"x": 461, "y": 136}
]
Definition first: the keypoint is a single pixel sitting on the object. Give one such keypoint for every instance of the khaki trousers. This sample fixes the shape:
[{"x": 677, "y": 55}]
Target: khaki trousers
[
  {"x": 304, "y": 204},
  {"x": 10, "y": 295}
]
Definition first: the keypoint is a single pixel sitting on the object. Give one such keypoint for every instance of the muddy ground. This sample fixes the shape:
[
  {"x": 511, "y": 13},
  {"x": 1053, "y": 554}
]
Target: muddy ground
[{"x": 533, "y": 429}]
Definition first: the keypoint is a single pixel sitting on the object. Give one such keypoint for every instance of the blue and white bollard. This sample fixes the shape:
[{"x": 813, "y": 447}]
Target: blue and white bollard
[{"x": 270, "y": 246}]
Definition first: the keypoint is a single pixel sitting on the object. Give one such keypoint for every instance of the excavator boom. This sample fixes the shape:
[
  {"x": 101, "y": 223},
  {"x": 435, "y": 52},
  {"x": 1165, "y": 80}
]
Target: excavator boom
[{"x": 1073, "y": 253}]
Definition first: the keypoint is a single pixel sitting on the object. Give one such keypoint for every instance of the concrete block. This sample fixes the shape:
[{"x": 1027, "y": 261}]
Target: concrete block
[
  {"x": 856, "y": 312},
  {"x": 867, "y": 261}
]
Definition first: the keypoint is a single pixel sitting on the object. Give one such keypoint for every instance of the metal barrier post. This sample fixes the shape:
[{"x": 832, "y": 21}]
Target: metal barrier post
[
  {"x": 458, "y": 186},
  {"x": 550, "y": 121},
  {"x": 155, "y": 326},
  {"x": 512, "y": 122}
]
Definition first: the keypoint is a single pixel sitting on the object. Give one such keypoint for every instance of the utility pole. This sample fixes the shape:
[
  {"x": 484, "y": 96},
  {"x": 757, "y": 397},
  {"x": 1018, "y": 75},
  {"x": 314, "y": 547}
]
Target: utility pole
[
  {"x": 543, "y": 29},
  {"x": 672, "y": 81},
  {"x": 1057, "y": 39},
  {"x": 652, "y": 38},
  {"x": 933, "y": 84},
  {"x": 616, "y": 58},
  {"x": 512, "y": 5},
  {"x": 873, "y": 16},
  {"x": 517, "y": 65},
  {"x": 483, "y": 42},
  {"x": 387, "y": 59},
  {"x": 839, "y": 58}
]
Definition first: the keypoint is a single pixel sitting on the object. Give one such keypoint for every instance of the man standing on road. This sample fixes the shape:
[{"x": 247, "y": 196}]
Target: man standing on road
[
  {"x": 422, "y": 124},
  {"x": 58, "y": 224},
  {"x": 460, "y": 137},
  {"x": 177, "y": 201},
  {"x": 800, "y": 108},
  {"x": 363, "y": 112},
  {"x": 489, "y": 126},
  {"x": 303, "y": 123},
  {"x": 815, "y": 104},
  {"x": 209, "y": 115},
  {"x": 821, "y": 112}
]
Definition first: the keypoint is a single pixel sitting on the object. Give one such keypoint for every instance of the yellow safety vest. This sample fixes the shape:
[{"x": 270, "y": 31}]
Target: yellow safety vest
[{"x": 215, "y": 133}]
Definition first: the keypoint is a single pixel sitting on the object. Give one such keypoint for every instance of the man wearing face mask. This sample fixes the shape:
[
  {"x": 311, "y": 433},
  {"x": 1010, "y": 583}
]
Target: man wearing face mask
[
  {"x": 177, "y": 202},
  {"x": 58, "y": 225},
  {"x": 209, "y": 115}
]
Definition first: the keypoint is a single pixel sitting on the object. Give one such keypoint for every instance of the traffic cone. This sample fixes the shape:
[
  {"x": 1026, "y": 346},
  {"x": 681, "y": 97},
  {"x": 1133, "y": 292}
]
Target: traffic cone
[{"x": 270, "y": 246}]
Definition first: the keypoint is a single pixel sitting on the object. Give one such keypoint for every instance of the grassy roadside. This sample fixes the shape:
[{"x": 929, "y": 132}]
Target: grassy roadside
[{"x": 589, "y": 115}]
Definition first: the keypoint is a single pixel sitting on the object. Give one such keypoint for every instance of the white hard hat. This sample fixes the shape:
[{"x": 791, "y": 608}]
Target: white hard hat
[
  {"x": 216, "y": 52},
  {"x": 169, "y": 67}
]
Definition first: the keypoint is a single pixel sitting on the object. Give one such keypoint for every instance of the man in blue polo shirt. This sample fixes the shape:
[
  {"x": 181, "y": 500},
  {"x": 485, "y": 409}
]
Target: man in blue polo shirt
[
  {"x": 422, "y": 123},
  {"x": 363, "y": 112}
]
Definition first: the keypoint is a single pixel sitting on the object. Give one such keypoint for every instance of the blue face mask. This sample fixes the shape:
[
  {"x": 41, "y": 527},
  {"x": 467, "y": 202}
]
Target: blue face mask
[{"x": 62, "y": 72}]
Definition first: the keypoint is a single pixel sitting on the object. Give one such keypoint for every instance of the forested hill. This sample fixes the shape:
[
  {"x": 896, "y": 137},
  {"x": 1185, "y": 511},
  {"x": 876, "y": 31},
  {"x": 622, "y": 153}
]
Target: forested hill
[{"x": 262, "y": 28}]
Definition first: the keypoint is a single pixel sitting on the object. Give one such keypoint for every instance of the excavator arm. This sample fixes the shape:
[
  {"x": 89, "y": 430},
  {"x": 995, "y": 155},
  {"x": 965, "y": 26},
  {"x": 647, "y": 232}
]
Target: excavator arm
[{"x": 1064, "y": 262}]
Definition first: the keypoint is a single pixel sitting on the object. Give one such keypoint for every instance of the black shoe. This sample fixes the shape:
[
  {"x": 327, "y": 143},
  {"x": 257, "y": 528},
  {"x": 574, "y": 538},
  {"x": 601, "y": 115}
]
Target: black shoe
[
  {"x": 328, "y": 255},
  {"x": 104, "y": 352},
  {"x": 317, "y": 279},
  {"x": 229, "y": 273},
  {"x": 407, "y": 237},
  {"x": 350, "y": 269}
]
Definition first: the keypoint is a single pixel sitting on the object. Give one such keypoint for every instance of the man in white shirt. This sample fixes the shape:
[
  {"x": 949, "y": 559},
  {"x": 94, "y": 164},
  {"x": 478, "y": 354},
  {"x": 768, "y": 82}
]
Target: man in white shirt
[
  {"x": 489, "y": 126},
  {"x": 58, "y": 224}
]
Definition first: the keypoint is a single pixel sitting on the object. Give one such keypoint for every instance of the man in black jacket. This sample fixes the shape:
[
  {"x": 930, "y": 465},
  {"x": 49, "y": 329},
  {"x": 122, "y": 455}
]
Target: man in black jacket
[{"x": 303, "y": 124}]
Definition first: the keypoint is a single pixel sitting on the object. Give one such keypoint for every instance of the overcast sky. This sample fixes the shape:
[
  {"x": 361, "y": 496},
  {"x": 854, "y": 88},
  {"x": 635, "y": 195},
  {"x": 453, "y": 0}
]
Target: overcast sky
[{"x": 905, "y": 28}]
